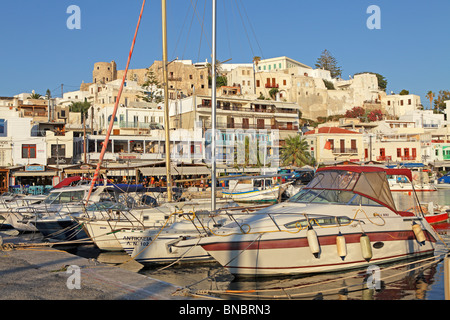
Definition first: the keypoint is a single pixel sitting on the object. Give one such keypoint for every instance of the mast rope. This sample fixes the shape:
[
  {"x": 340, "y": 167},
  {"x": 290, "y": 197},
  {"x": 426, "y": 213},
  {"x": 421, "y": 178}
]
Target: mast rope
[{"x": 113, "y": 116}]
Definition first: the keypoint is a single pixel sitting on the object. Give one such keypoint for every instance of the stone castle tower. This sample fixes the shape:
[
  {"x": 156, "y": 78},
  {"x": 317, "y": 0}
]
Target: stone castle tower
[{"x": 104, "y": 72}]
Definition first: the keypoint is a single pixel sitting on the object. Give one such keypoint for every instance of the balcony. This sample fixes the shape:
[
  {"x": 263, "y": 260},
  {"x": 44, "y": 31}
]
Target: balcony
[
  {"x": 384, "y": 158},
  {"x": 345, "y": 150},
  {"x": 408, "y": 158},
  {"x": 220, "y": 125},
  {"x": 271, "y": 85}
]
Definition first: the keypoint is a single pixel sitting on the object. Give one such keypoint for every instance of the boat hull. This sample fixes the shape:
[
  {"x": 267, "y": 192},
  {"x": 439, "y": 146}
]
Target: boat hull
[
  {"x": 61, "y": 230},
  {"x": 269, "y": 255},
  {"x": 437, "y": 218},
  {"x": 159, "y": 247}
]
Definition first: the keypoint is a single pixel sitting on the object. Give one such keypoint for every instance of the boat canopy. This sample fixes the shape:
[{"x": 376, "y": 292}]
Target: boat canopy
[{"x": 370, "y": 182}]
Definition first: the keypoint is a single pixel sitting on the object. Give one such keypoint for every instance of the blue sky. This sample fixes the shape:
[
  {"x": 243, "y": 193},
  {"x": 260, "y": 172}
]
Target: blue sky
[{"x": 38, "y": 51}]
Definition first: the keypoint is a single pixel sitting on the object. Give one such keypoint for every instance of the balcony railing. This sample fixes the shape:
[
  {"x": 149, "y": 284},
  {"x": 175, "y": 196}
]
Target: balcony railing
[
  {"x": 256, "y": 109},
  {"x": 384, "y": 158},
  {"x": 345, "y": 150},
  {"x": 221, "y": 125},
  {"x": 408, "y": 158},
  {"x": 271, "y": 85}
]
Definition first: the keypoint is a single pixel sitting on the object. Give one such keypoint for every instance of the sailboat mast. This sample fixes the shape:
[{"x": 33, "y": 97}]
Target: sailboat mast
[
  {"x": 166, "y": 100},
  {"x": 213, "y": 110}
]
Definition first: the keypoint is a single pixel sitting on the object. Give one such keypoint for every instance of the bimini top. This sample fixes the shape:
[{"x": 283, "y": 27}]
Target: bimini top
[
  {"x": 351, "y": 185},
  {"x": 389, "y": 171}
]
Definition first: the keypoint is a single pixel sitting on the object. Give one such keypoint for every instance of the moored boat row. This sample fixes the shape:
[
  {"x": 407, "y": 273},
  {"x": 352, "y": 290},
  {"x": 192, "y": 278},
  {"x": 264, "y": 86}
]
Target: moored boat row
[{"x": 344, "y": 218}]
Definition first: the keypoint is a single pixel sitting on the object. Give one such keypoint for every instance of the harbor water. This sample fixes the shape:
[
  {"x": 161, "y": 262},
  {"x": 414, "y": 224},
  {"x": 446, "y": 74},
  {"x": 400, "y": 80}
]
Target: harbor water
[{"x": 406, "y": 280}]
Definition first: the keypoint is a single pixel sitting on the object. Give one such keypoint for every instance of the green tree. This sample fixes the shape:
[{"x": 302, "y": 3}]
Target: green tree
[
  {"x": 273, "y": 93},
  {"x": 382, "y": 82},
  {"x": 35, "y": 95},
  {"x": 439, "y": 103},
  {"x": 81, "y": 107},
  {"x": 256, "y": 61},
  {"x": 295, "y": 152},
  {"x": 152, "y": 89},
  {"x": 328, "y": 62},
  {"x": 404, "y": 92},
  {"x": 328, "y": 84},
  {"x": 221, "y": 81},
  {"x": 430, "y": 96}
]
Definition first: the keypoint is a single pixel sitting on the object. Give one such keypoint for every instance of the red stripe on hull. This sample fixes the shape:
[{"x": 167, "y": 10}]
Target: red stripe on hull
[
  {"x": 303, "y": 242},
  {"x": 340, "y": 264}
]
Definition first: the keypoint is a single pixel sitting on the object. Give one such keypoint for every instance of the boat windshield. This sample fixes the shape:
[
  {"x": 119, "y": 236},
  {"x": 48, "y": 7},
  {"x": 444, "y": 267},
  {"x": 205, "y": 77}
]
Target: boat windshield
[
  {"x": 64, "y": 197},
  {"x": 106, "y": 205},
  {"x": 347, "y": 187},
  {"x": 332, "y": 196}
]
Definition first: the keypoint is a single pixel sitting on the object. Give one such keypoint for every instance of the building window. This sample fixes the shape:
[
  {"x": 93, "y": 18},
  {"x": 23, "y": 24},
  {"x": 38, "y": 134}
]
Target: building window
[
  {"x": 399, "y": 152},
  {"x": 409, "y": 101},
  {"x": 28, "y": 151},
  {"x": 257, "y": 83},
  {"x": 406, "y": 150},
  {"x": 284, "y": 82},
  {"x": 58, "y": 150},
  {"x": 2, "y": 126}
]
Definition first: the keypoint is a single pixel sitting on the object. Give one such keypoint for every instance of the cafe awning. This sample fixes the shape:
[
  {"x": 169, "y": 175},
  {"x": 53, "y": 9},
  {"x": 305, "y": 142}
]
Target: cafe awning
[
  {"x": 35, "y": 174},
  {"x": 186, "y": 170}
]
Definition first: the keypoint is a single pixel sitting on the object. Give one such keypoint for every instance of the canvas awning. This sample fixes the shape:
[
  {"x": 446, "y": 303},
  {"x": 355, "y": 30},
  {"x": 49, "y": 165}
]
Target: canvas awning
[
  {"x": 188, "y": 170},
  {"x": 35, "y": 173}
]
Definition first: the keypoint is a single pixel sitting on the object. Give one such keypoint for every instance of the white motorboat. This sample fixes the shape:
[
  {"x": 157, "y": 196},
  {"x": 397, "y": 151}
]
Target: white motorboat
[
  {"x": 344, "y": 218},
  {"x": 158, "y": 245},
  {"x": 254, "y": 189},
  {"x": 103, "y": 227},
  {"x": 418, "y": 179},
  {"x": 58, "y": 202}
]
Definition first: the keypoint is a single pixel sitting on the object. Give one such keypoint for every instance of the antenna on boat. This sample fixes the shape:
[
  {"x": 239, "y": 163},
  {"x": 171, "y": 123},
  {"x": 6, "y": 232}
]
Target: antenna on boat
[{"x": 213, "y": 110}]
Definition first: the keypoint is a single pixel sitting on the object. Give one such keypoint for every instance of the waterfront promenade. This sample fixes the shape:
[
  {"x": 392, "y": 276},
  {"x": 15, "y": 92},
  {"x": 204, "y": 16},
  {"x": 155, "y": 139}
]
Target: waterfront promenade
[{"x": 44, "y": 273}]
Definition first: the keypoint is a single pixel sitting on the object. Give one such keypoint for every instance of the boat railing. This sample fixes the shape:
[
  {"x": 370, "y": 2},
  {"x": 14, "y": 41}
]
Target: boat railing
[
  {"x": 304, "y": 221},
  {"x": 112, "y": 214}
]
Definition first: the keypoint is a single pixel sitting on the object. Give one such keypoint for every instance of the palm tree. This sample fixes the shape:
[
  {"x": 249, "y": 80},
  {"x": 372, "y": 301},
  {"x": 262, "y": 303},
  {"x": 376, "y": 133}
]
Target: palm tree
[
  {"x": 296, "y": 152},
  {"x": 35, "y": 95},
  {"x": 430, "y": 96},
  {"x": 81, "y": 107},
  {"x": 256, "y": 60}
]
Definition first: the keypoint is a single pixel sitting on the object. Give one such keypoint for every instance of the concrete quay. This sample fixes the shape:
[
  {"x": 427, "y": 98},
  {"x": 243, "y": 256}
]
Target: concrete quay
[{"x": 45, "y": 273}]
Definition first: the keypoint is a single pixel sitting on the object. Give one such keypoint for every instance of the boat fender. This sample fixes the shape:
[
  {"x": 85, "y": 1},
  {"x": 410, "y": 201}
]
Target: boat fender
[
  {"x": 341, "y": 246},
  {"x": 418, "y": 232},
  {"x": 313, "y": 241},
  {"x": 366, "y": 248}
]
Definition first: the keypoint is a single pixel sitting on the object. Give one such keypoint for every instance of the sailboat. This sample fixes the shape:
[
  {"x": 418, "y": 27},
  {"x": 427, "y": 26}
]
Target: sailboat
[{"x": 155, "y": 245}]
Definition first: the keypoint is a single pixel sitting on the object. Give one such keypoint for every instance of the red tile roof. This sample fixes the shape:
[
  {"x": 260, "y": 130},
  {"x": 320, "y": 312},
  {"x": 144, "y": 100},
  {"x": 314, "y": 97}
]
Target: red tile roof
[{"x": 331, "y": 130}]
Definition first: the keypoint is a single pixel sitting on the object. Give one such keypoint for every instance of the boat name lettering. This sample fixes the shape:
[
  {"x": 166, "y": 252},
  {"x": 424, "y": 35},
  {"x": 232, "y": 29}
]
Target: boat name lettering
[{"x": 134, "y": 238}]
